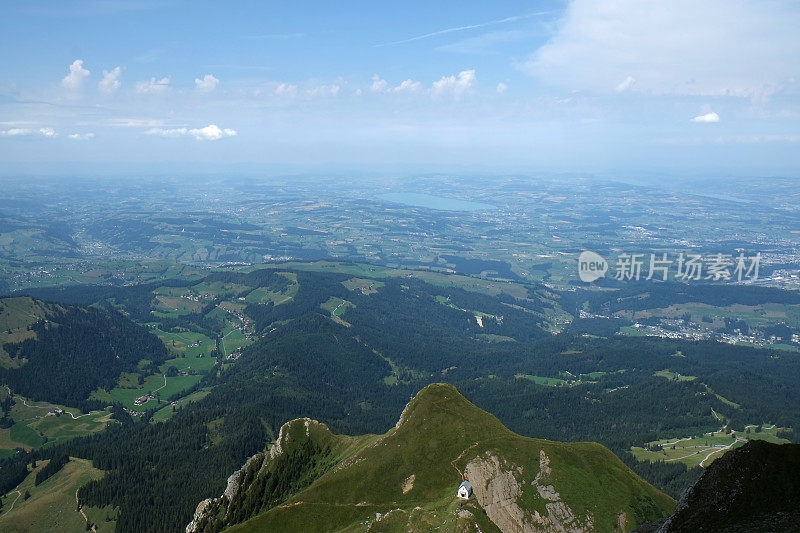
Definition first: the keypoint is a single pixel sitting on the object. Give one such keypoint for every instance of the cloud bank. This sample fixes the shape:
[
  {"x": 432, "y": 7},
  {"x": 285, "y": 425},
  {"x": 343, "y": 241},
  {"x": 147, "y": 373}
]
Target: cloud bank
[
  {"x": 743, "y": 48},
  {"x": 212, "y": 132},
  {"x": 455, "y": 85},
  {"x": 27, "y": 132}
]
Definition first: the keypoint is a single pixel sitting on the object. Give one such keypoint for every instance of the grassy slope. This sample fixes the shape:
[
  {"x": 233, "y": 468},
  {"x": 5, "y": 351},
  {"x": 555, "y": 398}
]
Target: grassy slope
[
  {"x": 31, "y": 419},
  {"x": 440, "y": 432},
  {"x": 16, "y": 315},
  {"x": 52, "y": 505}
]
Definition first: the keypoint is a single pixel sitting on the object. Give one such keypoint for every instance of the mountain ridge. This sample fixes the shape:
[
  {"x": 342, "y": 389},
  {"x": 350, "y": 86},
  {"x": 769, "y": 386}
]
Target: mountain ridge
[{"x": 407, "y": 478}]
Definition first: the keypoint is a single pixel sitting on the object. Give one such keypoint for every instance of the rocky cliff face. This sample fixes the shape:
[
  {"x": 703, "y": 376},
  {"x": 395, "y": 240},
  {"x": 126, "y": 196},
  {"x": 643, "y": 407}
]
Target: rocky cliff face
[
  {"x": 498, "y": 487},
  {"x": 753, "y": 488},
  {"x": 212, "y": 510},
  {"x": 212, "y": 514}
]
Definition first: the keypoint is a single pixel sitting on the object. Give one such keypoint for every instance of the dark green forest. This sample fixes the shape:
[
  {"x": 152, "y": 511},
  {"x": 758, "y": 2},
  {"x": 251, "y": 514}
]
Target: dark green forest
[
  {"x": 75, "y": 352},
  {"x": 305, "y": 364}
]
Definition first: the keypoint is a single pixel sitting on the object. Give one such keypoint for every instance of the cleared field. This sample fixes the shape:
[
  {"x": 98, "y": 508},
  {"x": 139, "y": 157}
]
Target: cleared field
[
  {"x": 35, "y": 427},
  {"x": 218, "y": 288},
  {"x": 177, "y": 304},
  {"x": 234, "y": 307},
  {"x": 702, "y": 450},
  {"x": 673, "y": 376},
  {"x": 160, "y": 384},
  {"x": 61, "y": 428},
  {"x": 337, "y": 307},
  {"x": 631, "y": 331},
  {"x": 265, "y": 295},
  {"x": 233, "y": 340},
  {"x": 192, "y": 353},
  {"x": 491, "y": 337},
  {"x": 28, "y": 437},
  {"x": 366, "y": 286},
  {"x": 755, "y": 315},
  {"x": 186, "y": 343},
  {"x": 541, "y": 380},
  {"x": 16, "y": 315},
  {"x": 165, "y": 413},
  {"x": 361, "y": 270},
  {"x": 52, "y": 505}
]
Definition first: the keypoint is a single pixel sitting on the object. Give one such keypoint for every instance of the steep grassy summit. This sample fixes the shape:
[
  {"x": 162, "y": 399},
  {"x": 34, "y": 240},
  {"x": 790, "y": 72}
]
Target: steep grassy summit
[{"x": 313, "y": 480}]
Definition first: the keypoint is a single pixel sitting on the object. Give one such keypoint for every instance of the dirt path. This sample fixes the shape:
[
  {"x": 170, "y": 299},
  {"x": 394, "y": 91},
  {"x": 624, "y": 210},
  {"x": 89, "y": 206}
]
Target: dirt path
[
  {"x": 222, "y": 340},
  {"x": 719, "y": 450},
  {"x": 19, "y": 494},
  {"x": 162, "y": 386},
  {"x": 698, "y": 452},
  {"x": 80, "y": 509},
  {"x": 333, "y": 313},
  {"x": 25, "y": 402},
  {"x": 453, "y": 462},
  {"x": 676, "y": 442}
]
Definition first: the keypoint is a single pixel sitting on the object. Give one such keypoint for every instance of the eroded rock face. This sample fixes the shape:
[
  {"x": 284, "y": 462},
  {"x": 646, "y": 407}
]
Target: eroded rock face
[
  {"x": 211, "y": 507},
  {"x": 200, "y": 515},
  {"x": 497, "y": 485}
]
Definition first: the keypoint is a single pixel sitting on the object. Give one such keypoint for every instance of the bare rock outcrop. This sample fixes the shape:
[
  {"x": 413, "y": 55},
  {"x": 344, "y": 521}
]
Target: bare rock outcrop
[
  {"x": 214, "y": 507},
  {"x": 498, "y": 487}
]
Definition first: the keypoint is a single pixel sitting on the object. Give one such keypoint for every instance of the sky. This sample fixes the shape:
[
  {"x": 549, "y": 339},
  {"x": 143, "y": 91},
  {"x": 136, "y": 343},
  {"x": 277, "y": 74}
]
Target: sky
[{"x": 625, "y": 87}]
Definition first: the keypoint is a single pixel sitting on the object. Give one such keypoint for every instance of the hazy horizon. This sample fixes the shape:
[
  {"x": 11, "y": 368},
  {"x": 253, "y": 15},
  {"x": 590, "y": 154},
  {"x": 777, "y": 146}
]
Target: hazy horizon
[{"x": 120, "y": 88}]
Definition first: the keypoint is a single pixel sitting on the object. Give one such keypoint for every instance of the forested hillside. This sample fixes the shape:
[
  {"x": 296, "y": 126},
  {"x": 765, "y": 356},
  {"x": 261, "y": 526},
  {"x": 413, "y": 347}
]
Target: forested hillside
[
  {"x": 350, "y": 352},
  {"x": 71, "y": 351}
]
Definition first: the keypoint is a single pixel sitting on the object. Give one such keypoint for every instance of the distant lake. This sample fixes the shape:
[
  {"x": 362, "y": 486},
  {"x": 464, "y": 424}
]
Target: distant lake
[{"x": 434, "y": 202}]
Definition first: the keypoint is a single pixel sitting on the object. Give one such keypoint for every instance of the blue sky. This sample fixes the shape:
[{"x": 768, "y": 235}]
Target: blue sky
[{"x": 612, "y": 87}]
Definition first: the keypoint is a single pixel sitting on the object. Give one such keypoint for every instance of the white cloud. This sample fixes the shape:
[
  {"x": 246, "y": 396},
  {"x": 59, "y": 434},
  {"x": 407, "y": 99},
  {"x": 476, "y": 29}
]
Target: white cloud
[
  {"x": 212, "y": 132},
  {"x": 742, "y": 48},
  {"x": 625, "y": 84},
  {"x": 501, "y": 88},
  {"x": 153, "y": 86},
  {"x": 74, "y": 80},
  {"x": 207, "y": 84},
  {"x": 707, "y": 118},
  {"x": 110, "y": 82},
  {"x": 286, "y": 89},
  {"x": 408, "y": 86},
  {"x": 16, "y": 132},
  {"x": 80, "y": 136},
  {"x": 26, "y": 132},
  {"x": 379, "y": 85},
  {"x": 455, "y": 85}
]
